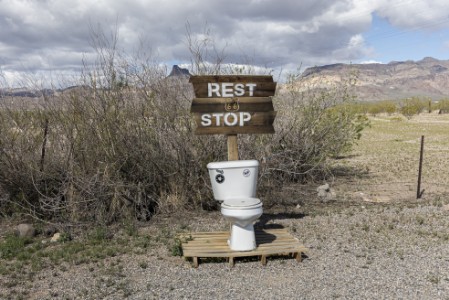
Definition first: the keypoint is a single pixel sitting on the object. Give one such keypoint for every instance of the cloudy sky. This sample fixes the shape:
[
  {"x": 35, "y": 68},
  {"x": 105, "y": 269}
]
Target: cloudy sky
[{"x": 54, "y": 36}]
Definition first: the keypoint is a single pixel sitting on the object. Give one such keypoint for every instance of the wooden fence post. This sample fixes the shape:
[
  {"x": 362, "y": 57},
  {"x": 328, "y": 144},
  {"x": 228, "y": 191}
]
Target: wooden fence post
[{"x": 421, "y": 154}]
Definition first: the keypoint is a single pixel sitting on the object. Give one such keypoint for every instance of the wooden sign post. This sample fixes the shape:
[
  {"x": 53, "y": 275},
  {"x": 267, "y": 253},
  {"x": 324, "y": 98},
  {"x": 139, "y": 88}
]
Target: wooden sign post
[
  {"x": 233, "y": 148},
  {"x": 232, "y": 105}
]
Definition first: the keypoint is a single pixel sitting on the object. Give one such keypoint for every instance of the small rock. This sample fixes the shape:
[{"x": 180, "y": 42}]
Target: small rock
[
  {"x": 373, "y": 199},
  {"x": 382, "y": 199},
  {"x": 446, "y": 207},
  {"x": 325, "y": 188},
  {"x": 25, "y": 230},
  {"x": 298, "y": 206},
  {"x": 56, "y": 237},
  {"x": 363, "y": 197},
  {"x": 325, "y": 193}
]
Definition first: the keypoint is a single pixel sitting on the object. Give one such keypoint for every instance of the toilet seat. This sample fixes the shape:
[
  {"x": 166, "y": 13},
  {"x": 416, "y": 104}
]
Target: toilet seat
[{"x": 241, "y": 203}]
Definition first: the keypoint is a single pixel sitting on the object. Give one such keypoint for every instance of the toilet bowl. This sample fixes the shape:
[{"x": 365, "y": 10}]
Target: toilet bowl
[
  {"x": 242, "y": 212},
  {"x": 234, "y": 184}
]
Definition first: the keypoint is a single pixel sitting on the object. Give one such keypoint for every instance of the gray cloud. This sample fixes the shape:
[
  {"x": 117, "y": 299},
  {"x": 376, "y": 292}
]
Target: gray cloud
[{"x": 55, "y": 35}]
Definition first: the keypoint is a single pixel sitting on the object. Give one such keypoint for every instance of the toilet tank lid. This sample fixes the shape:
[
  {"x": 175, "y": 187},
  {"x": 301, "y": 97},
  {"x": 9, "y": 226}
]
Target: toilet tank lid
[{"x": 232, "y": 164}]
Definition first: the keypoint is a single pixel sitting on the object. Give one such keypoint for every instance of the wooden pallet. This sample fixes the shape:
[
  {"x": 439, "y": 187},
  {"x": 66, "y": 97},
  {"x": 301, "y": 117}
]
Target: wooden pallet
[{"x": 270, "y": 242}]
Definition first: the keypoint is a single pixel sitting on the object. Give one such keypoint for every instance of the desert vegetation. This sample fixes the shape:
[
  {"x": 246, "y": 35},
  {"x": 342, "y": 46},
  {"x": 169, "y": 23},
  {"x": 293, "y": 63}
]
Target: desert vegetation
[
  {"x": 120, "y": 143},
  {"x": 408, "y": 107},
  {"x": 374, "y": 225}
]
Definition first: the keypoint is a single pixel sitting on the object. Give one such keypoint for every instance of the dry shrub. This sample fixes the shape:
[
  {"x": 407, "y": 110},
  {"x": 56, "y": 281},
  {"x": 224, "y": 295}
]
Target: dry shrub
[
  {"x": 312, "y": 127},
  {"x": 121, "y": 144},
  {"x": 97, "y": 153},
  {"x": 105, "y": 153}
]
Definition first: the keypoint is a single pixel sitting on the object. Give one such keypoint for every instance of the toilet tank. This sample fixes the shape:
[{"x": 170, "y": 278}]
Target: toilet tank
[{"x": 231, "y": 179}]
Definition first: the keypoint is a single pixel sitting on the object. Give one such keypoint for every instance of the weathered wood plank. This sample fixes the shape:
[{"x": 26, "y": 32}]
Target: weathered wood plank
[
  {"x": 235, "y": 130},
  {"x": 219, "y": 233},
  {"x": 228, "y": 252},
  {"x": 260, "y": 240},
  {"x": 262, "y": 89},
  {"x": 249, "y": 104},
  {"x": 223, "y": 244},
  {"x": 199, "y": 101},
  {"x": 257, "y": 119},
  {"x": 230, "y": 78},
  {"x": 260, "y": 122}
]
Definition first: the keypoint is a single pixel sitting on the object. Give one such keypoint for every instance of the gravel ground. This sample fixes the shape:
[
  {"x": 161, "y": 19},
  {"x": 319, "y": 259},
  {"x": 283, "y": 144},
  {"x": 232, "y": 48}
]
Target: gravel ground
[{"x": 357, "y": 251}]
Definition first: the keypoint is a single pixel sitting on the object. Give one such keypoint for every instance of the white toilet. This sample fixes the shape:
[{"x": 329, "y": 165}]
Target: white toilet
[{"x": 234, "y": 183}]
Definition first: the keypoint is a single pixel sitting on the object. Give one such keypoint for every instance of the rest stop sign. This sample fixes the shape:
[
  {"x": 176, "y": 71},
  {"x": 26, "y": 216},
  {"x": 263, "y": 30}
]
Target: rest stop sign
[{"x": 234, "y": 104}]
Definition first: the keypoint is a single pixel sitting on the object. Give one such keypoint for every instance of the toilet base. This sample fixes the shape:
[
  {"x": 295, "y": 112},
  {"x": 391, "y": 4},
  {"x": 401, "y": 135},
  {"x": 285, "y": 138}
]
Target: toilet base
[{"x": 243, "y": 238}]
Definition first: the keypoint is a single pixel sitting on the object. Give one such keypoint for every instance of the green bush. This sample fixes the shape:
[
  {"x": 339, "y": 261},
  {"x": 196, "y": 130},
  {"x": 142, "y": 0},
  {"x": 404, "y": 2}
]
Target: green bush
[
  {"x": 374, "y": 108},
  {"x": 13, "y": 245},
  {"x": 387, "y": 106},
  {"x": 412, "y": 106},
  {"x": 443, "y": 106}
]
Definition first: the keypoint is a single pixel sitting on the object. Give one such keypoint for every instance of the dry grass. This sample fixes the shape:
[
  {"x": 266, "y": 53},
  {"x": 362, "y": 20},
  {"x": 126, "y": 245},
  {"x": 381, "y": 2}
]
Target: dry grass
[{"x": 387, "y": 159}]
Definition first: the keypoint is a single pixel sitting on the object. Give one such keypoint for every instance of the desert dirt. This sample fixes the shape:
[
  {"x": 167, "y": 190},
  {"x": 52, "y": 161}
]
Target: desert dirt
[{"x": 374, "y": 241}]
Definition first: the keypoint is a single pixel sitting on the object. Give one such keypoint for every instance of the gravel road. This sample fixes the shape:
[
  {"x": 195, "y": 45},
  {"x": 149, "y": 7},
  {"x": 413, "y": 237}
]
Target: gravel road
[{"x": 370, "y": 251}]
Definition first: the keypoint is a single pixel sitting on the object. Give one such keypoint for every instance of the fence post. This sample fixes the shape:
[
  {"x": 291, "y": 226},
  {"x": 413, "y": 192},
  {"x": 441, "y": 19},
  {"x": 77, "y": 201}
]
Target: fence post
[{"x": 421, "y": 154}]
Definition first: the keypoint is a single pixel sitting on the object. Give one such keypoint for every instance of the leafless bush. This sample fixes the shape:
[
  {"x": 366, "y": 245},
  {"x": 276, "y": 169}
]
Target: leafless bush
[
  {"x": 120, "y": 144},
  {"x": 312, "y": 127}
]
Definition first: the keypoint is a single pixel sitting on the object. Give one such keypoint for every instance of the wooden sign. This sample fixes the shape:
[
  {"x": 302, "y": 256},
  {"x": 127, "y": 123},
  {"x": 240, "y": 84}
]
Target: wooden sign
[{"x": 233, "y": 105}]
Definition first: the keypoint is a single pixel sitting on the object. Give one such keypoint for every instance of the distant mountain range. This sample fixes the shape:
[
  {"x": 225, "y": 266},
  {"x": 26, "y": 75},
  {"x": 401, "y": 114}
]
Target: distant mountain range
[
  {"x": 24, "y": 92},
  {"x": 427, "y": 78},
  {"x": 36, "y": 93}
]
